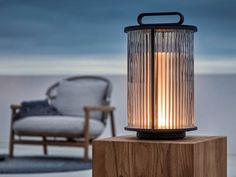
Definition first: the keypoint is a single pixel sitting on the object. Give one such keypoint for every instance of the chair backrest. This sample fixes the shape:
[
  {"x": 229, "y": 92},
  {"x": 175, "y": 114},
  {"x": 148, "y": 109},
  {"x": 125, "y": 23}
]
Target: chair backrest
[{"x": 70, "y": 95}]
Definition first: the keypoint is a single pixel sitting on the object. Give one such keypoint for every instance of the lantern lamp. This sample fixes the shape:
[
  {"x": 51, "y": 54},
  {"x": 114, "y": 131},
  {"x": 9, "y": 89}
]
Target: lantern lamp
[{"x": 160, "y": 78}]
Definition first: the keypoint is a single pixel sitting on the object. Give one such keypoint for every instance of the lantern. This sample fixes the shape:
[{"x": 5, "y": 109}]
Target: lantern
[{"x": 160, "y": 78}]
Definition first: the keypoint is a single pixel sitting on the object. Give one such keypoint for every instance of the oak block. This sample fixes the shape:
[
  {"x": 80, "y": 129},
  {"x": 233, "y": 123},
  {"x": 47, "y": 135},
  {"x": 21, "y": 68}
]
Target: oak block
[{"x": 193, "y": 156}]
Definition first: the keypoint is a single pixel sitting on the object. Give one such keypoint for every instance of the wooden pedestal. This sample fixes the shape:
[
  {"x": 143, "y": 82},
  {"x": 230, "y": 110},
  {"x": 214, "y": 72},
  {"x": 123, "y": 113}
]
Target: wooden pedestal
[{"x": 128, "y": 156}]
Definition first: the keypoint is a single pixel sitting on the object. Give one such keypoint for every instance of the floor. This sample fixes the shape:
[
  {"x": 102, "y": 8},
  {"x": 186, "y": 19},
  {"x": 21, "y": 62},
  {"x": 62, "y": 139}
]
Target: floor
[
  {"x": 61, "y": 151},
  {"x": 20, "y": 150}
]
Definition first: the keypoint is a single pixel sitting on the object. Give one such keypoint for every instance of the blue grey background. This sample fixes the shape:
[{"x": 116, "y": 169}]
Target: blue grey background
[{"x": 95, "y": 27}]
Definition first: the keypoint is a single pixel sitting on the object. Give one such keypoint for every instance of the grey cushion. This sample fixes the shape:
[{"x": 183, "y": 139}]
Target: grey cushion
[
  {"x": 72, "y": 96},
  {"x": 58, "y": 124}
]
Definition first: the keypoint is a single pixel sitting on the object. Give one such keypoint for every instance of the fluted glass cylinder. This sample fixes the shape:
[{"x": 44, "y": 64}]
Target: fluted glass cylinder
[{"x": 160, "y": 79}]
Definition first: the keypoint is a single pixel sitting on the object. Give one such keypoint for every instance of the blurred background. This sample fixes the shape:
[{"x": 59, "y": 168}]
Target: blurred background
[
  {"x": 87, "y": 36},
  {"x": 42, "y": 42}
]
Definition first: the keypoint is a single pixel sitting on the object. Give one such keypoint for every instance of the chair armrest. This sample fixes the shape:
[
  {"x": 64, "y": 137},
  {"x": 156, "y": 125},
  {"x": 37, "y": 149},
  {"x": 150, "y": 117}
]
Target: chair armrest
[
  {"x": 14, "y": 107},
  {"x": 105, "y": 109},
  {"x": 99, "y": 108}
]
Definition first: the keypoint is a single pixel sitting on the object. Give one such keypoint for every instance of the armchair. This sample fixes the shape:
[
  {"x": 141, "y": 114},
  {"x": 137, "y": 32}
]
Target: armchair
[{"x": 84, "y": 105}]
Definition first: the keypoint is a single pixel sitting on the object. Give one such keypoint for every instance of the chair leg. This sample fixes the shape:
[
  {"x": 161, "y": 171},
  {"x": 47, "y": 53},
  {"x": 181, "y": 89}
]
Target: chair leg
[
  {"x": 86, "y": 135},
  {"x": 113, "y": 129},
  {"x": 86, "y": 146},
  {"x": 11, "y": 145},
  {"x": 45, "y": 150}
]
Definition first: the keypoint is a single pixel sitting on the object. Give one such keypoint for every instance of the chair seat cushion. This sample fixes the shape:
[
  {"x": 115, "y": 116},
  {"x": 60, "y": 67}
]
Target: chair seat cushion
[{"x": 57, "y": 125}]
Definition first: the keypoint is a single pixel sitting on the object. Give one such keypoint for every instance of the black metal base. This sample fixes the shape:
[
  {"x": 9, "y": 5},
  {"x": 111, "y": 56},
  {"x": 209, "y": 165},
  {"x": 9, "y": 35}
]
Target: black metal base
[{"x": 160, "y": 135}]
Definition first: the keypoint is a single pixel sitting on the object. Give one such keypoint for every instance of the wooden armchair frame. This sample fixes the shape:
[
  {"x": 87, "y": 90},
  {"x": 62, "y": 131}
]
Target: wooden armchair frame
[{"x": 84, "y": 141}]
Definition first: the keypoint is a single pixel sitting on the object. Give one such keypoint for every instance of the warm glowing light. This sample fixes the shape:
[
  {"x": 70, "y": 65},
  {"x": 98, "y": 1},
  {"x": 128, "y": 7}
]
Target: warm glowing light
[{"x": 170, "y": 105}]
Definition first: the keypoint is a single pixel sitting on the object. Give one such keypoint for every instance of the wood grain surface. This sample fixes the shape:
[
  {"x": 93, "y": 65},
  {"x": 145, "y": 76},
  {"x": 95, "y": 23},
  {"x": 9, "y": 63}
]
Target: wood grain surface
[{"x": 128, "y": 156}]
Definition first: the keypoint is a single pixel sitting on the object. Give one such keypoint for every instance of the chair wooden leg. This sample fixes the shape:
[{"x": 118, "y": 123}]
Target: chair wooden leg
[
  {"x": 86, "y": 146},
  {"x": 86, "y": 135},
  {"x": 11, "y": 145},
  {"x": 45, "y": 150},
  {"x": 113, "y": 129},
  {"x": 11, "y": 149},
  {"x": 86, "y": 151}
]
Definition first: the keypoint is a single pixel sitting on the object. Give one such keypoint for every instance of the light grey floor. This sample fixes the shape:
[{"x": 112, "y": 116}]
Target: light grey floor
[{"x": 32, "y": 150}]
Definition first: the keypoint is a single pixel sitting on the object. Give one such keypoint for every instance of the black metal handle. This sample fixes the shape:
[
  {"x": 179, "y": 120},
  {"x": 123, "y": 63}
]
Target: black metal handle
[{"x": 181, "y": 18}]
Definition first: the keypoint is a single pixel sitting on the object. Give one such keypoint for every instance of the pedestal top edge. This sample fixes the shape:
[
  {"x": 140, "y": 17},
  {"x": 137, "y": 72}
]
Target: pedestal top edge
[{"x": 186, "y": 140}]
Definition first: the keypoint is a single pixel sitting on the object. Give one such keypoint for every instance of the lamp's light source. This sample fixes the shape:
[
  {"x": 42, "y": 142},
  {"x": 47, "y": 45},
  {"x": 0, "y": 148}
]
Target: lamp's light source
[{"x": 160, "y": 78}]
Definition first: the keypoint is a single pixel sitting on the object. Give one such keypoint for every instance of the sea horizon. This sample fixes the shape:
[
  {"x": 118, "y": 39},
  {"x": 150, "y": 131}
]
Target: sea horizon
[{"x": 99, "y": 64}]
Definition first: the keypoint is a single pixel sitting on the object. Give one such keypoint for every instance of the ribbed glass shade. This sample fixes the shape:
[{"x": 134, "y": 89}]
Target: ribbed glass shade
[{"x": 160, "y": 79}]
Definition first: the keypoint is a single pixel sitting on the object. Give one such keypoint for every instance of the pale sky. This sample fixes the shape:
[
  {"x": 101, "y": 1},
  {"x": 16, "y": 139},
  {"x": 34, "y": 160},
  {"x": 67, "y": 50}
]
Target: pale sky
[{"x": 84, "y": 36}]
